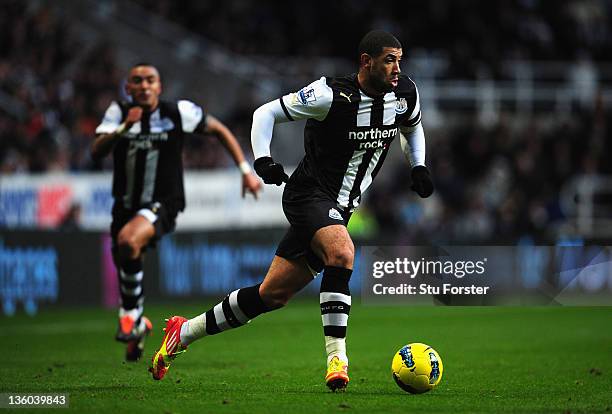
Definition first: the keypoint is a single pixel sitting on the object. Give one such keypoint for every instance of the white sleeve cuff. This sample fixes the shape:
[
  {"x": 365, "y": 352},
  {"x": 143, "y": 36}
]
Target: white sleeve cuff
[
  {"x": 148, "y": 214},
  {"x": 244, "y": 167}
]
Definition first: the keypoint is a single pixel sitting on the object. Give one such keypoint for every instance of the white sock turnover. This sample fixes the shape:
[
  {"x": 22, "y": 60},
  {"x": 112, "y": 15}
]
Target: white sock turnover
[
  {"x": 193, "y": 329},
  {"x": 335, "y": 347}
]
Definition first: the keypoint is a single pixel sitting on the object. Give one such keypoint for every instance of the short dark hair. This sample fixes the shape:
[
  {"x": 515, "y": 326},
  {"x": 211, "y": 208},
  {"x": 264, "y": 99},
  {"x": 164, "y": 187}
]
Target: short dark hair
[
  {"x": 143, "y": 64},
  {"x": 374, "y": 42}
]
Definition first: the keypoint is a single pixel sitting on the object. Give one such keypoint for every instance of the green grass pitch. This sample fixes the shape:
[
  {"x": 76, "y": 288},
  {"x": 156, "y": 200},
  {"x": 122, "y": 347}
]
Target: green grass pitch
[{"x": 496, "y": 359}]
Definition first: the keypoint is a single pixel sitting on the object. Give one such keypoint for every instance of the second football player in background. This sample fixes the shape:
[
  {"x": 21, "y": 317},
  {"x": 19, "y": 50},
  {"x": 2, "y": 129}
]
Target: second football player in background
[{"x": 146, "y": 137}]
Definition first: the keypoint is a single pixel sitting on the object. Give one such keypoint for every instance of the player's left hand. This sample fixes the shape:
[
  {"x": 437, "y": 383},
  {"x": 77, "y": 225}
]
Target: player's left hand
[
  {"x": 251, "y": 184},
  {"x": 421, "y": 181}
]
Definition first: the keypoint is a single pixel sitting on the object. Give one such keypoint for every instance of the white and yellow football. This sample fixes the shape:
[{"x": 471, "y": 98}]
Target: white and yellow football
[{"x": 417, "y": 368}]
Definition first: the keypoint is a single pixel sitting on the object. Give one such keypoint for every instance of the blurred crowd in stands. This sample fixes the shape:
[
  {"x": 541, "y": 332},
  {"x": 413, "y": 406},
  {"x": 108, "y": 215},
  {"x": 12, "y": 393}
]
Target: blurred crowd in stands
[
  {"x": 498, "y": 181},
  {"x": 495, "y": 184},
  {"x": 470, "y": 32},
  {"x": 58, "y": 98}
]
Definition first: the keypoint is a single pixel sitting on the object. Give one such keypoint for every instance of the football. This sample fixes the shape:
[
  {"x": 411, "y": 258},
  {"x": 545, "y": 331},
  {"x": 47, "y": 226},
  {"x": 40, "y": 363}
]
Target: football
[{"x": 417, "y": 368}]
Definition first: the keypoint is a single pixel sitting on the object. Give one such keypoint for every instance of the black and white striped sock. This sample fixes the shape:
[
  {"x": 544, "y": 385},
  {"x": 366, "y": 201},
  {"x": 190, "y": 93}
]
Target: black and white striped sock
[
  {"x": 335, "y": 299},
  {"x": 238, "y": 308},
  {"x": 130, "y": 286}
]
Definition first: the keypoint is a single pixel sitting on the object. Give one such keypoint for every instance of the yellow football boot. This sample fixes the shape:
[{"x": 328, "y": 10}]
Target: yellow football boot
[{"x": 337, "y": 374}]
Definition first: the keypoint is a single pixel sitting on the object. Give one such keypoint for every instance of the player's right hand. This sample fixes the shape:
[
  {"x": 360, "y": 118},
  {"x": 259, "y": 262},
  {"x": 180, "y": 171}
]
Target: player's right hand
[
  {"x": 270, "y": 171},
  {"x": 134, "y": 114}
]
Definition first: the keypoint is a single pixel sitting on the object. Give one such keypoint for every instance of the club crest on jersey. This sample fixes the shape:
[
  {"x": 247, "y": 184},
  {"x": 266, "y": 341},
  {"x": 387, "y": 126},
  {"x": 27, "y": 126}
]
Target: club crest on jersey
[
  {"x": 166, "y": 124},
  {"x": 401, "y": 106},
  {"x": 306, "y": 96},
  {"x": 161, "y": 125},
  {"x": 335, "y": 214}
]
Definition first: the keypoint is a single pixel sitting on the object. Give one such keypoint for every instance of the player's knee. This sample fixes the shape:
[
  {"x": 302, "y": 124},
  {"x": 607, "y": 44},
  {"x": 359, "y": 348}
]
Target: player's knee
[
  {"x": 341, "y": 257},
  {"x": 127, "y": 246}
]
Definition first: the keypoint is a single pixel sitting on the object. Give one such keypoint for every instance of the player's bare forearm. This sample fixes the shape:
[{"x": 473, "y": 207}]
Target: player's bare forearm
[
  {"x": 103, "y": 145},
  {"x": 227, "y": 138},
  {"x": 250, "y": 183}
]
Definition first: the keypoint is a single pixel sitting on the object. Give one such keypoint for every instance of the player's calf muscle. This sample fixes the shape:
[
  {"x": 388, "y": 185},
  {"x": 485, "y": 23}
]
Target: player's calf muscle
[
  {"x": 275, "y": 298},
  {"x": 284, "y": 279}
]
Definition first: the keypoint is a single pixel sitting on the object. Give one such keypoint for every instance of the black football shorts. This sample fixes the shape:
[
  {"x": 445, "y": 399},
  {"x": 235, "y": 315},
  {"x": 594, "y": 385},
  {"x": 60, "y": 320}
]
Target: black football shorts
[
  {"x": 306, "y": 216},
  {"x": 159, "y": 214}
]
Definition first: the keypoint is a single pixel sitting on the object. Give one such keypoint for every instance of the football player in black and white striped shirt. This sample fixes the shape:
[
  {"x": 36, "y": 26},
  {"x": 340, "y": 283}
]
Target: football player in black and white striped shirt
[
  {"x": 352, "y": 121},
  {"x": 146, "y": 137}
]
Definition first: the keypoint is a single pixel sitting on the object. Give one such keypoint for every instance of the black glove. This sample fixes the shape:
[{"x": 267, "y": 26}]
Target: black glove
[
  {"x": 421, "y": 181},
  {"x": 270, "y": 171}
]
